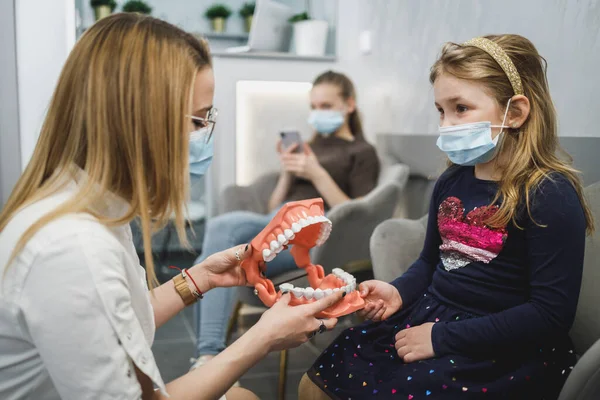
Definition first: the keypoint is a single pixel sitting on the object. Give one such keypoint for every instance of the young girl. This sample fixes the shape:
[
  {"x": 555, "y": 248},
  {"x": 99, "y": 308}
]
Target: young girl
[{"x": 486, "y": 309}]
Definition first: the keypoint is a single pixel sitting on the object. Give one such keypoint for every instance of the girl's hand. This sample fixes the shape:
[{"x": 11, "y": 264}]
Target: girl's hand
[
  {"x": 223, "y": 269},
  {"x": 285, "y": 326},
  {"x": 414, "y": 344},
  {"x": 304, "y": 165},
  {"x": 382, "y": 300}
]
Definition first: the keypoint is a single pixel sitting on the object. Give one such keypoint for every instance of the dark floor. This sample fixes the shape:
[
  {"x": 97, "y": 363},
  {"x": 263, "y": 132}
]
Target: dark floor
[{"x": 175, "y": 342}]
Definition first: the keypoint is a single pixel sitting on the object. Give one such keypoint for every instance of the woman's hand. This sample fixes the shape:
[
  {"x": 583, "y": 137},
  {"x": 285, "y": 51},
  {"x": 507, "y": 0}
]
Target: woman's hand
[
  {"x": 304, "y": 165},
  {"x": 223, "y": 269},
  {"x": 382, "y": 300},
  {"x": 286, "y": 327},
  {"x": 283, "y": 152},
  {"x": 414, "y": 344}
]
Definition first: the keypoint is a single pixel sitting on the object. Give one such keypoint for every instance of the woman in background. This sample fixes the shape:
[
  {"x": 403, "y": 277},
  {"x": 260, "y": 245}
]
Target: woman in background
[{"x": 338, "y": 165}]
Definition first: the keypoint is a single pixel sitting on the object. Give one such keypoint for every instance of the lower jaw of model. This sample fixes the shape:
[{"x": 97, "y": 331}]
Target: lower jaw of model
[{"x": 302, "y": 225}]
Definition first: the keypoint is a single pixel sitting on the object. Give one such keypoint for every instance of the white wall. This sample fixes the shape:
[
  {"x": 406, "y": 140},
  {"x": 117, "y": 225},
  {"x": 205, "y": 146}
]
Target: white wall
[{"x": 45, "y": 33}]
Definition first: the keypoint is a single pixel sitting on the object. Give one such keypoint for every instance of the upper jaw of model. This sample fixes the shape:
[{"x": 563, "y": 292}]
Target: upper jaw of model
[{"x": 300, "y": 224}]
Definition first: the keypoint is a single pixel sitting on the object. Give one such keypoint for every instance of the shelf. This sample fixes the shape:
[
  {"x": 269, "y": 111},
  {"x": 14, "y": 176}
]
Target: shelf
[
  {"x": 223, "y": 36},
  {"x": 274, "y": 56}
]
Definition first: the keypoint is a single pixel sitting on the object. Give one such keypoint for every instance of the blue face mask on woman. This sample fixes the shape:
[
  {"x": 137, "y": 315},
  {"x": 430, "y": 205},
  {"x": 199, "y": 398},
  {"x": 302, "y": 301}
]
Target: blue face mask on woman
[
  {"x": 326, "y": 122},
  {"x": 201, "y": 151},
  {"x": 470, "y": 144}
]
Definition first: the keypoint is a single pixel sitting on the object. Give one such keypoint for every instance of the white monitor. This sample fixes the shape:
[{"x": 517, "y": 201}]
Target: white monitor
[{"x": 271, "y": 31}]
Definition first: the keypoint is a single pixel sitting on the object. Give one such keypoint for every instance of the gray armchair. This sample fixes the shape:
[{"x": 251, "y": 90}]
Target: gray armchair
[{"x": 396, "y": 243}]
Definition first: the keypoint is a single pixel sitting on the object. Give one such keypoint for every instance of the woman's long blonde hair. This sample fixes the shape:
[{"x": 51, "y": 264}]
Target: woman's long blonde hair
[
  {"x": 534, "y": 149},
  {"x": 118, "y": 113}
]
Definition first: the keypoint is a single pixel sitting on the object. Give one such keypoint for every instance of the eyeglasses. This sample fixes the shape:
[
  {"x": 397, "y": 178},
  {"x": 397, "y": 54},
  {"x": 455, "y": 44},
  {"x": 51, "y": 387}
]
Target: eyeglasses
[{"x": 207, "y": 122}]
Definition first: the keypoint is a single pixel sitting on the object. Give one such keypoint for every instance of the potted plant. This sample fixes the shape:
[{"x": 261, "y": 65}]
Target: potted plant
[
  {"x": 137, "y": 6},
  {"x": 246, "y": 12},
  {"x": 218, "y": 14},
  {"x": 103, "y": 8},
  {"x": 310, "y": 35}
]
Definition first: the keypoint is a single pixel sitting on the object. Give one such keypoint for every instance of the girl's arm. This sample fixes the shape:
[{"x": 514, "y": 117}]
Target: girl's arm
[
  {"x": 281, "y": 190},
  {"x": 555, "y": 263},
  {"x": 363, "y": 179},
  {"x": 328, "y": 189}
]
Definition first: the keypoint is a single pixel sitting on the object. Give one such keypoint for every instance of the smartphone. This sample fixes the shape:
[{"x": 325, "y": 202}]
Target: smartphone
[{"x": 289, "y": 138}]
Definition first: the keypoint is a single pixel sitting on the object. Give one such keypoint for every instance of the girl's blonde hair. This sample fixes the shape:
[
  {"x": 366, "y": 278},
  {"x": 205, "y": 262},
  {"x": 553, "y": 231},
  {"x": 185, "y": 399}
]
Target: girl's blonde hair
[
  {"x": 534, "y": 147},
  {"x": 118, "y": 113}
]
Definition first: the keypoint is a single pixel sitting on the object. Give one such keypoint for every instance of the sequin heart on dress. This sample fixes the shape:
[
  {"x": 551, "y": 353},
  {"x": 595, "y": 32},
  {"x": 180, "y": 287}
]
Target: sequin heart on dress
[{"x": 466, "y": 239}]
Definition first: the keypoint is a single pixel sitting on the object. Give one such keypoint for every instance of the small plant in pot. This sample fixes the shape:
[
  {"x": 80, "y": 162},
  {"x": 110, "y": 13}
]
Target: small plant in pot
[
  {"x": 310, "y": 35},
  {"x": 103, "y": 8},
  {"x": 246, "y": 12},
  {"x": 137, "y": 6},
  {"x": 218, "y": 14}
]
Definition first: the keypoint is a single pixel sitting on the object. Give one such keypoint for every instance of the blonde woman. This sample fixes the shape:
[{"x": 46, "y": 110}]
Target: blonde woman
[{"x": 131, "y": 116}]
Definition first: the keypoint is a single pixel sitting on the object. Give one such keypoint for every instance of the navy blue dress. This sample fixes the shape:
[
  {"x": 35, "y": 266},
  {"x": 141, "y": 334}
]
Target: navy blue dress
[{"x": 502, "y": 300}]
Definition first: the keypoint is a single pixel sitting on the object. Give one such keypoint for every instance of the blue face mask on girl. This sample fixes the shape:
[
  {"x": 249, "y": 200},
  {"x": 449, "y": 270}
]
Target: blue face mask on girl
[
  {"x": 326, "y": 122},
  {"x": 201, "y": 151},
  {"x": 470, "y": 144}
]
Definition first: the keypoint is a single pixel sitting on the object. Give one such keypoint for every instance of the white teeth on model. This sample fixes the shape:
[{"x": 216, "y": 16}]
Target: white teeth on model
[
  {"x": 319, "y": 294},
  {"x": 304, "y": 223},
  {"x": 335, "y": 290},
  {"x": 289, "y": 234},
  {"x": 311, "y": 219},
  {"x": 266, "y": 254},
  {"x": 282, "y": 239},
  {"x": 286, "y": 287},
  {"x": 274, "y": 245},
  {"x": 271, "y": 257},
  {"x": 296, "y": 227},
  {"x": 347, "y": 289},
  {"x": 337, "y": 271},
  {"x": 309, "y": 292},
  {"x": 297, "y": 292},
  {"x": 328, "y": 292}
]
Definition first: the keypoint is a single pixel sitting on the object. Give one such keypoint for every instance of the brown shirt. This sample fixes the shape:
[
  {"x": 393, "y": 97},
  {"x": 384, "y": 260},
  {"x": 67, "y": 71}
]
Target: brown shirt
[{"x": 354, "y": 167}]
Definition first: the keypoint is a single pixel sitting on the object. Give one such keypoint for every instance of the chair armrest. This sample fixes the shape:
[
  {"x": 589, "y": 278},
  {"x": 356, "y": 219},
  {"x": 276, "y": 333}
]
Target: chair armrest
[
  {"x": 584, "y": 381},
  {"x": 353, "y": 223},
  {"x": 395, "y": 245}
]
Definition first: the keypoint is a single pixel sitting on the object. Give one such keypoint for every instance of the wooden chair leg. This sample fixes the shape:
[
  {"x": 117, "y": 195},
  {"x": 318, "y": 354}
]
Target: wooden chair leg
[
  {"x": 283, "y": 360},
  {"x": 233, "y": 320}
]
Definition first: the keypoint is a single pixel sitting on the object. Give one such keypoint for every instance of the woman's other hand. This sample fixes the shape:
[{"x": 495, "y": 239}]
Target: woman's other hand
[
  {"x": 382, "y": 300},
  {"x": 304, "y": 165},
  {"x": 223, "y": 269},
  {"x": 285, "y": 326},
  {"x": 283, "y": 153}
]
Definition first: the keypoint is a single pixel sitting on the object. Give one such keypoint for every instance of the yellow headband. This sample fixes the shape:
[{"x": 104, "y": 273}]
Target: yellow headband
[{"x": 500, "y": 56}]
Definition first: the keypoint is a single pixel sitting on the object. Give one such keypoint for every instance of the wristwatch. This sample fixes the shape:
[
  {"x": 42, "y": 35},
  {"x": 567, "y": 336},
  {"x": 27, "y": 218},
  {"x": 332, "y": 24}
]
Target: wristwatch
[{"x": 184, "y": 291}]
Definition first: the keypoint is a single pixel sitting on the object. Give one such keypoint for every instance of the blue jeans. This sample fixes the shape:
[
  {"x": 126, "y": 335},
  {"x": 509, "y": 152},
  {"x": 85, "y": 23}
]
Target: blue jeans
[{"x": 214, "y": 310}]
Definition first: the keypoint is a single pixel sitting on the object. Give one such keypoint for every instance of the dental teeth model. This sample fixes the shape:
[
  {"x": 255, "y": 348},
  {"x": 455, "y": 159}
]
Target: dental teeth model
[{"x": 300, "y": 225}]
